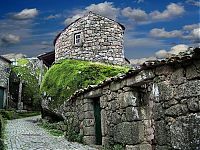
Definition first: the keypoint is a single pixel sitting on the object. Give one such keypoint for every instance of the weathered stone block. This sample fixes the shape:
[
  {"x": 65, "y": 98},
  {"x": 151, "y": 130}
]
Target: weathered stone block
[
  {"x": 87, "y": 100},
  {"x": 162, "y": 148},
  {"x": 133, "y": 114},
  {"x": 88, "y": 107},
  {"x": 116, "y": 118},
  {"x": 89, "y": 131},
  {"x": 158, "y": 111},
  {"x": 128, "y": 99},
  {"x": 164, "y": 70},
  {"x": 114, "y": 86},
  {"x": 94, "y": 93},
  {"x": 129, "y": 133},
  {"x": 89, "y": 115},
  {"x": 161, "y": 133},
  {"x": 192, "y": 72},
  {"x": 176, "y": 110},
  {"x": 90, "y": 140},
  {"x": 139, "y": 147},
  {"x": 88, "y": 122},
  {"x": 166, "y": 92},
  {"x": 185, "y": 132},
  {"x": 177, "y": 76},
  {"x": 140, "y": 78},
  {"x": 104, "y": 123},
  {"x": 103, "y": 101},
  {"x": 193, "y": 104},
  {"x": 189, "y": 89}
]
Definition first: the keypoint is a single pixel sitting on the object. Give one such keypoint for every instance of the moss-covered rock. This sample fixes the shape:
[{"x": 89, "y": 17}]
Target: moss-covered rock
[{"x": 67, "y": 76}]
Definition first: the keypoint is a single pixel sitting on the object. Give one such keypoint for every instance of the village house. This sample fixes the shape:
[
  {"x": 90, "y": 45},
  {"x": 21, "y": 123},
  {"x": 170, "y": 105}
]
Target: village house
[
  {"x": 4, "y": 81},
  {"x": 153, "y": 107},
  {"x": 91, "y": 37}
]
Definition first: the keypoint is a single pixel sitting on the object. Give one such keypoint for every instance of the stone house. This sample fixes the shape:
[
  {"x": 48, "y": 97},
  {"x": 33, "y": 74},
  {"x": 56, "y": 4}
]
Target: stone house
[
  {"x": 94, "y": 38},
  {"x": 4, "y": 81},
  {"x": 154, "y": 107}
]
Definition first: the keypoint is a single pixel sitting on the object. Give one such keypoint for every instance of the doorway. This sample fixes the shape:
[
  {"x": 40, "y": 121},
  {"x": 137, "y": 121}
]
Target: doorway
[
  {"x": 97, "y": 116},
  {"x": 1, "y": 97}
]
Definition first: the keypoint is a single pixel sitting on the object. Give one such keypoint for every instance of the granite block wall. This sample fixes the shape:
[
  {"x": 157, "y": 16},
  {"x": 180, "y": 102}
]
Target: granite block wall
[
  {"x": 101, "y": 39},
  {"x": 157, "y": 108}
]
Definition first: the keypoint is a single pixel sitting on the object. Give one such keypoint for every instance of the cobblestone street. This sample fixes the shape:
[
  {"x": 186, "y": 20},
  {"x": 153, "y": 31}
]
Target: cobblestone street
[{"x": 24, "y": 134}]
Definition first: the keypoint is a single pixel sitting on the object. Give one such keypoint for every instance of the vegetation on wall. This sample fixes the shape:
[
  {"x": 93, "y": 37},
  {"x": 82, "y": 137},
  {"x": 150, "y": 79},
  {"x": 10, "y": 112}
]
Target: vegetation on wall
[{"x": 67, "y": 76}]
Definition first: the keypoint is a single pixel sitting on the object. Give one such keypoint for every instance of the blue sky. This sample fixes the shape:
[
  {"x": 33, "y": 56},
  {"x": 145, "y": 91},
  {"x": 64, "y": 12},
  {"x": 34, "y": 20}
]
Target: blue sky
[{"x": 30, "y": 26}]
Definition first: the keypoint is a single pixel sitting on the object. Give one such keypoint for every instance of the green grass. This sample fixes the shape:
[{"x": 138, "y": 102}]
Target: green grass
[
  {"x": 12, "y": 114},
  {"x": 22, "y": 61},
  {"x": 51, "y": 128},
  {"x": 27, "y": 114},
  {"x": 67, "y": 76}
]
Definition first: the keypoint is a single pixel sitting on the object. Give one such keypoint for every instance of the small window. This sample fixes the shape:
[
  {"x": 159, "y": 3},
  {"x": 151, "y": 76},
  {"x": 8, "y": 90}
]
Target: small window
[{"x": 77, "y": 38}]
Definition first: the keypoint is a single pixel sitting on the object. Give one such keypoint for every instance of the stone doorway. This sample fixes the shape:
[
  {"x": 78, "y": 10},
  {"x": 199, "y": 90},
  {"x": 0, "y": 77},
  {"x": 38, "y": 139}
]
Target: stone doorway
[
  {"x": 1, "y": 97},
  {"x": 97, "y": 117}
]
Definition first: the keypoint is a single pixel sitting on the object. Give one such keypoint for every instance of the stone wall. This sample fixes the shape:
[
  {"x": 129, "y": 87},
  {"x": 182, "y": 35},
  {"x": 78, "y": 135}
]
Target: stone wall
[
  {"x": 101, "y": 40},
  {"x": 4, "y": 78},
  {"x": 4, "y": 73},
  {"x": 153, "y": 108}
]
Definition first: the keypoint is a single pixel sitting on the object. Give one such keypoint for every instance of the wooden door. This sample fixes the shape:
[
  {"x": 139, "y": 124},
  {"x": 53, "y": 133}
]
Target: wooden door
[{"x": 97, "y": 115}]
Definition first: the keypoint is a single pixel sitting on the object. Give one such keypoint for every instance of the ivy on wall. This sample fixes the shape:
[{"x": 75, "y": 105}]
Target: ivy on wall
[{"x": 67, "y": 76}]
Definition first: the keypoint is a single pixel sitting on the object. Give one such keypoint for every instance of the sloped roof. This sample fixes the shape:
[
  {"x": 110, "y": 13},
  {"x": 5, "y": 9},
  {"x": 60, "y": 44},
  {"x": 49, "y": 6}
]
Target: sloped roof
[
  {"x": 5, "y": 59},
  {"x": 47, "y": 58},
  {"x": 183, "y": 57}
]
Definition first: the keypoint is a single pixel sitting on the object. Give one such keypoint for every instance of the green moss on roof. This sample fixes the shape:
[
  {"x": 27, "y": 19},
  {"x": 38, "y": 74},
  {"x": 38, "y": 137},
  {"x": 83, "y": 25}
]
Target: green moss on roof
[
  {"x": 22, "y": 61},
  {"x": 67, "y": 76}
]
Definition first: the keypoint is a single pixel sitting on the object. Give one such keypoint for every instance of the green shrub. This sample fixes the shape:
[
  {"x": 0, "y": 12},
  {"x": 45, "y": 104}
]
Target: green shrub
[
  {"x": 52, "y": 128},
  {"x": 118, "y": 147},
  {"x": 26, "y": 72},
  {"x": 8, "y": 114},
  {"x": 67, "y": 76},
  {"x": 2, "y": 125}
]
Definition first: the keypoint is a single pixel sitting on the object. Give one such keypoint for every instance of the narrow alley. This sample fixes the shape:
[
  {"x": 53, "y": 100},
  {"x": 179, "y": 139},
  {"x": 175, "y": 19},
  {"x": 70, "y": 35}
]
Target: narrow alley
[{"x": 25, "y": 134}]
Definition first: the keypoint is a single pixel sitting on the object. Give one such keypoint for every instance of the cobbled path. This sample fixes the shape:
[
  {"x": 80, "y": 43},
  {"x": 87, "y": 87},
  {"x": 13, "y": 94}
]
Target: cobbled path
[{"x": 25, "y": 134}]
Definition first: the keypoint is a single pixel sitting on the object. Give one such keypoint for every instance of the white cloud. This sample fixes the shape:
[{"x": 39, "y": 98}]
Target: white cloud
[
  {"x": 137, "y": 15},
  {"x": 14, "y": 56},
  {"x": 10, "y": 39},
  {"x": 178, "y": 48},
  {"x": 191, "y": 26},
  {"x": 53, "y": 17},
  {"x": 193, "y": 2},
  {"x": 196, "y": 33},
  {"x": 72, "y": 19},
  {"x": 161, "y": 33},
  {"x": 175, "y": 50},
  {"x": 26, "y": 14},
  {"x": 172, "y": 10},
  {"x": 141, "y": 60},
  {"x": 106, "y": 9},
  {"x": 161, "y": 54},
  {"x": 193, "y": 35},
  {"x": 140, "y": 1}
]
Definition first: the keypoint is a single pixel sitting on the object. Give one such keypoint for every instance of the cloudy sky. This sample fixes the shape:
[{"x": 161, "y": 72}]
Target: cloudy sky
[{"x": 152, "y": 26}]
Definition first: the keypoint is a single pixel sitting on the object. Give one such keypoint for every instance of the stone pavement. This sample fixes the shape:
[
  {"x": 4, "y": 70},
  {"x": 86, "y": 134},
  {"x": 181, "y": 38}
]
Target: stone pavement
[{"x": 24, "y": 134}]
